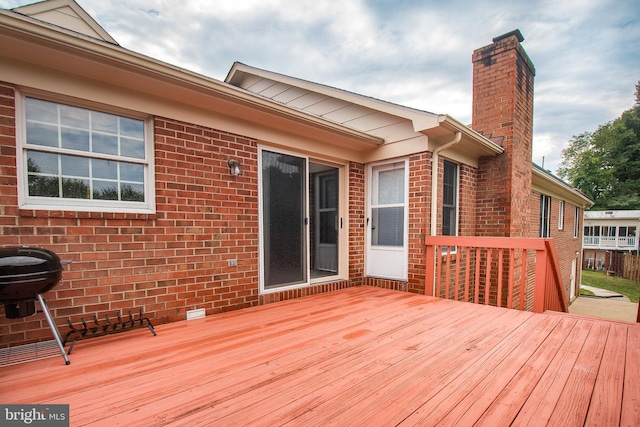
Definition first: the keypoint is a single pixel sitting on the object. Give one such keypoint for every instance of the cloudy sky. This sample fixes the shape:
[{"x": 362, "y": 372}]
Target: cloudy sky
[{"x": 411, "y": 52}]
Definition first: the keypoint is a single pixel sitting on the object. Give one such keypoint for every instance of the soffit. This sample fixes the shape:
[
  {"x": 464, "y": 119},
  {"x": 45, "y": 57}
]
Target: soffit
[
  {"x": 392, "y": 122},
  {"x": 354, "y": 115}
]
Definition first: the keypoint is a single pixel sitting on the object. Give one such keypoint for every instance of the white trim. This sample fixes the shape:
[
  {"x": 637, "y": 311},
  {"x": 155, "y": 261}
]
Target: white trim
[{"x": 560, "y": 214}]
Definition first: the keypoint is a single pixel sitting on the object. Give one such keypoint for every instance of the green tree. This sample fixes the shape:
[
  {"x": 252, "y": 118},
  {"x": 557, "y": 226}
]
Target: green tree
[{"x": 605, "y": 164}]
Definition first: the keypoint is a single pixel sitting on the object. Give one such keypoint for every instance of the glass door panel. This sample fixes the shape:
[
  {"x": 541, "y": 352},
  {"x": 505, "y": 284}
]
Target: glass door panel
[
  {"x": 325, "y": 222},
  {"x": 284, "y": 219}
]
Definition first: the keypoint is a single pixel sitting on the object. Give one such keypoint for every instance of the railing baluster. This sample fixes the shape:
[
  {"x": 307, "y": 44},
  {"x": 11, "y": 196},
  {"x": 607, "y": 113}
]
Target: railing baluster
[
  {"x": 499, "y": 296},
  {"x": 476, "y": 297},
  {"x": 523, "y": 281},
  {"x": 466, "y": 273},
  {"x": 510, "y": 278},
  {"x": 457, "y": 279},
  {"x": 447, "y": 273},
  {"x": 438, "y": 257},
  {"x": 487, "y": 279}
]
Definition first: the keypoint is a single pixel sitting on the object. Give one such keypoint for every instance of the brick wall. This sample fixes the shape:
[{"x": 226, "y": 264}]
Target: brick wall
[
  {"x": 568, "y": 247},
  {"x": 169, "y": 262},
  {"x": 357, "y": 218},
  {"x": 503, "y": 109}
]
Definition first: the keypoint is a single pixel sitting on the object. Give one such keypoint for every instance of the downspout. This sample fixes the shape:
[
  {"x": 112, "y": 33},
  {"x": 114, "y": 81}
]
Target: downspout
[{"x": 434, "y": 179}]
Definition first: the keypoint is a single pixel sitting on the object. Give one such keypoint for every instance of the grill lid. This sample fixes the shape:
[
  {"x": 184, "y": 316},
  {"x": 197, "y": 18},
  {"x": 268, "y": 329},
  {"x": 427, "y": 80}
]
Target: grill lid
[{"x": 26, "y": 272}]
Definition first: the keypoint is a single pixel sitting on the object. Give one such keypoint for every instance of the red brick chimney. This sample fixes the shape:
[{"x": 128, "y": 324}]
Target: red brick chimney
[{"x": 503, "y": 111}]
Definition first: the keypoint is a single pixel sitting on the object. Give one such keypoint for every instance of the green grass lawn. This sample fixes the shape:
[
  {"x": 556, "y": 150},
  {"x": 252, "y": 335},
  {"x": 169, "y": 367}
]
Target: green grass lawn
[{"x": 598, "y": 279}]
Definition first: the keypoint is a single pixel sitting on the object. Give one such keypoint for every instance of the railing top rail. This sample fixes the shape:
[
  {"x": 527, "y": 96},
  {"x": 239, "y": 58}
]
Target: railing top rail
[{"x": 488, "y": 242}]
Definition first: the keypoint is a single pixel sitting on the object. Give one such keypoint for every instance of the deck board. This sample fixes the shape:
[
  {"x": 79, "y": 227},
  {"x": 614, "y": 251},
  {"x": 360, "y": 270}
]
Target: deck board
[{"x": 358, "y": 356}]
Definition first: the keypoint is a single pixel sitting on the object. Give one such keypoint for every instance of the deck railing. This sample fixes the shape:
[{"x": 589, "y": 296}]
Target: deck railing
[{"x": 517, "y": 273}]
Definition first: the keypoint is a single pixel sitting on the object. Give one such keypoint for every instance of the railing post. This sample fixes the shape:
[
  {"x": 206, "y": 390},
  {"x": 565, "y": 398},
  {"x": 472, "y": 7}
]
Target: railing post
[
  {"x": 540, "y": 283},
  {"x": 429, "y": 279}
]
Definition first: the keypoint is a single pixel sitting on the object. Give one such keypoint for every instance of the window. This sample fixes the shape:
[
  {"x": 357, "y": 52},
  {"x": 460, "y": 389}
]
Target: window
[
  {"x": 576, "y": 223},
  {"x": 450, "y": 200},
  {"x": 561, "y": 215},
  {"x": 545, "y": 211},
  {"x": 82, "y": 159}
]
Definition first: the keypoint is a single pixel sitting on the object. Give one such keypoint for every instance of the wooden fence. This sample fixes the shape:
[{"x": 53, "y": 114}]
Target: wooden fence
[{"x": 631, "y": 266}]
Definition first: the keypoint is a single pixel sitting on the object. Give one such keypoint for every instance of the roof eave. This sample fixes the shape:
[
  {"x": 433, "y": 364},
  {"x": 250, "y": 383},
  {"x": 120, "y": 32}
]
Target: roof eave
[
  {"x": 46, "y": 34},
  {"x": 544, "y": 180}
]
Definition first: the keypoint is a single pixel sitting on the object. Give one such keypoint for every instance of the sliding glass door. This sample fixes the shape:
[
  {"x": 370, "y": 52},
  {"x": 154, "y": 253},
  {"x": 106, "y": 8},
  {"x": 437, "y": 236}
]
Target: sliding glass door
[
  {"x": 300, "y": 220},
  {"x": 283, "y": 219}
]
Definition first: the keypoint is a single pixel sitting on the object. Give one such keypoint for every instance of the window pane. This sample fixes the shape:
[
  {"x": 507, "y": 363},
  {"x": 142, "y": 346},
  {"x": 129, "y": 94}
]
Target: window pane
[
  {"x": 44, "y": 186},
  {"x": 40, "y": 134},
  {"x": 132, "y": 127},
  {"x": 103, "y": 122},
  {"x": 328, "y": 230},
  {"x": 74, "y": 166},
  {"x": 75, "y": 139},
  {"x": 41, "y": 111},
  {"x": 132, "y": 192},
  {"x": 132, "y": 148},
  {"x": 74, "y": 117},
  {"x": 42, "y": 162},
  {"x": 75, "y": 188},
  {"x": 131, "y": 172},
  {"x": 105, "y": 190},
  {"x": 390, "y": 187},
  {"x": 389, "y": 226},
  {"x": 106, "y": 144},
  {"x": 329, "y": 193},
  {"x": 449, "y": 199},
  {"x": 107, "y": 169}
]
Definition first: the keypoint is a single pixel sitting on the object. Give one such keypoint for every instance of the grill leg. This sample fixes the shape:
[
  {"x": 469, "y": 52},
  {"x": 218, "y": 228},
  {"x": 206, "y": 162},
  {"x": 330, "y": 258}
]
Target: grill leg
[{"x": 54, "y": 328}]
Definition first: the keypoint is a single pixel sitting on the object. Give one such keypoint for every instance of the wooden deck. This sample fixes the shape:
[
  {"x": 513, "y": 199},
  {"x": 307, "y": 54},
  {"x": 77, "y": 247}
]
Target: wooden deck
[{"x": 359, "y": 356}]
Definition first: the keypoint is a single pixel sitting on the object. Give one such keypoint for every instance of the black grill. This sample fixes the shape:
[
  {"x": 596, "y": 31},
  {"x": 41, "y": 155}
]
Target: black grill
[{"x": 25, "y": 274}]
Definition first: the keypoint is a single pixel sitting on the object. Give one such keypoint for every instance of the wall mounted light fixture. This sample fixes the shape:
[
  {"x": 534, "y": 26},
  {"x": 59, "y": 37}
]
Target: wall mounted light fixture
[{"x": 235, "y": 168}]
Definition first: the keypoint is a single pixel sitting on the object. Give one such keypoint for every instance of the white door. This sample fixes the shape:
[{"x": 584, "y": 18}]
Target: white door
[{"x": 387, "y": 218}]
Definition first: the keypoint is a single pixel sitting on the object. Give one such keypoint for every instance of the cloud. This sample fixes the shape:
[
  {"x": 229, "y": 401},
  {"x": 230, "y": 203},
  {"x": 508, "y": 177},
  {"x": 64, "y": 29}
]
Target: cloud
[{"x": 411, "y": 52}]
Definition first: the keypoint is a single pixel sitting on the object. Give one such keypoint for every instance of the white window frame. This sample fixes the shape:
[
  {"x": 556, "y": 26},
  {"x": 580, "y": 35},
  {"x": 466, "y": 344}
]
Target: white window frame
[
  {"x": 576, "y": 223},
  {"x": 25, "y": 201},
  {"x": 560, "y": 214}
]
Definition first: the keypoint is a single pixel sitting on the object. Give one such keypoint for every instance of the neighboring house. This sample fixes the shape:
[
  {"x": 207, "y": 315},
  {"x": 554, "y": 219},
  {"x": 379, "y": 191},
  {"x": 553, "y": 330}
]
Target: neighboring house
[
  {"x": 171, "y": 191},
  {"x": 607, "y": 232}
]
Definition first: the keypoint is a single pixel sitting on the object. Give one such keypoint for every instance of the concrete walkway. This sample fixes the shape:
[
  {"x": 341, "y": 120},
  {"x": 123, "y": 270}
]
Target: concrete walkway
[{"x": 604, "y": 304}]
